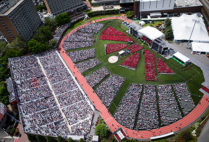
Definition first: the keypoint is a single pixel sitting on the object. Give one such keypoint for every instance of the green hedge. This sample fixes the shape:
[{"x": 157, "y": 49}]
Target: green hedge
[{"x": 103, "y": 12}]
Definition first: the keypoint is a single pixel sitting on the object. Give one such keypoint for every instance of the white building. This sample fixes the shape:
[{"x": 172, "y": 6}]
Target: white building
[{"x": 156, "y": 5}]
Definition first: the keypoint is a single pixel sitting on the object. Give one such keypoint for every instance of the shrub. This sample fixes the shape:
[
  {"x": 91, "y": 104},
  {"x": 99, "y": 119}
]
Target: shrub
[
  {"x": 101, "y": 130},
  {"x": 62, "y": 19},
  {"x": 129, "y": 14}
]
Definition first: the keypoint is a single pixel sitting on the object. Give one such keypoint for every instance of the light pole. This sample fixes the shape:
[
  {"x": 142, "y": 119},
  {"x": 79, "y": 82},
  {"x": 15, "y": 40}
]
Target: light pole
[{"x": 196, "y": 20}]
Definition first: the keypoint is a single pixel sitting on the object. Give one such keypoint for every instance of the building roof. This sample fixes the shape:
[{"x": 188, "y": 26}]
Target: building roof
[
  {"x": 187, "y": 3},
  {"x": 181, "y": 57},
  {"x": 2, "y": 110},
  {"x": 151, "y": 33},
  {"x": 200, "y": 47},
  {"x": 184, "y": 30},
  {"x": 135, "y": 26}
]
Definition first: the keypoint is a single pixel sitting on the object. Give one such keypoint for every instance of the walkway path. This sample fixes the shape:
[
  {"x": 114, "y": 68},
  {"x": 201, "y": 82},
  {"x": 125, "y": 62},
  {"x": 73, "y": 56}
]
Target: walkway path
[{"x": 113, "y": 125}]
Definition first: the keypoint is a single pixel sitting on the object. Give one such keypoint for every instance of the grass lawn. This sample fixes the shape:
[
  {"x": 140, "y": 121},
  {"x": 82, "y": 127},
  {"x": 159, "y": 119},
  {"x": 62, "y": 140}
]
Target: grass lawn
[{"x": 190, "y": 74}]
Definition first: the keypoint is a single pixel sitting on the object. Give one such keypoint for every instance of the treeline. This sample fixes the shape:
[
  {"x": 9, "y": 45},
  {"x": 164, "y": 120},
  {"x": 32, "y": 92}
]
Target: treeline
[{"x": 168, "y": 30}]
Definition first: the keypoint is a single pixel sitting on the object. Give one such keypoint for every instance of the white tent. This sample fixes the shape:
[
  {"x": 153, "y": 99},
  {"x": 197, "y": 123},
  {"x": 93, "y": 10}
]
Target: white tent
[
  {"x": 150, "y": 32},
  {"x": 182, "y": 28},
  {"x": 181, "y": 57},
  {"x": 200, "y": 47}
]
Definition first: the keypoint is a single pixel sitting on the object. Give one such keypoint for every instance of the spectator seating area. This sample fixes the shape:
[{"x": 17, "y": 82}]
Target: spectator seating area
[
  {"x": 87, "y": 64},
  {"x": 49, "y": 100},
  {"x": 134, "y": 48},
  {"x": 148, "y": 115},
  {"x": 162, "y": 67},
  {"x": 112, "y": 34},
  {"x": 59, "y": 32},
  {"x": 127, "y": 109},
  {"x": 107, "y": 90},
  {"x": 169, "y": 111},
  {"x": 83, "y": 37},
  {"x": 97, "y": 76},
  {"x": 131, "y": 62},
  {"x": 115, "y": 38},
  {"x": 112, "y": 31},
  {"x": 150, "y": 71},
  {"x": 184, "y": 97},
  {"x": 80, "y": 55},
  {"x": 110, "y": 48}
]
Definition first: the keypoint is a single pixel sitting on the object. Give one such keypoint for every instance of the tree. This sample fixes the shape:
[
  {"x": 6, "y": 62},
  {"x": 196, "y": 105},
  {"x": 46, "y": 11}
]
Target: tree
[
  {"x": 18, "y": 43},
  {"x": 51, "y": 23},
  {"x": 41, "y": 7},
  {"x": 4, "y": 95},
  {"x": 50, "y": 139},
  {"x": 43, "y": 34},
  {"x": 52, "y": 43},
  {"x": 167, "y": 22},
  {"x": 35, "y": 46},
  {"x": 81, "y": 140},
  {"x": 40, "y": 138},
  {"x": 187, "y": 135},
  {"x": 31, "y": 137},
  {"x": 62, "y": 19},
  {"x": 70, "y": 140},
  {"x": 101, "y": 130},
  {"x": 129, "y": 14},
  {"x": 60, "y": 139},
  {"x": 2, "y": 47},
  {"x": 169, "y": 33}
]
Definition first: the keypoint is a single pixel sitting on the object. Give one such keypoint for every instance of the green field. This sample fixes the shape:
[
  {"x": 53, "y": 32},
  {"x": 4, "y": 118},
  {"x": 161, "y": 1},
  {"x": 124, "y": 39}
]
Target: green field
[{"x": 190, "y": 74}]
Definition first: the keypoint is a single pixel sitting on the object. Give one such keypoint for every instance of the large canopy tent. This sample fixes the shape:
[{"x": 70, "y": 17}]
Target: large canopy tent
[
  {"x": 150, "y": 32},
  {"x": 182, "y": 59},
  {"x": 189, "y": 25},
  {"x": 200, "y": 47}
]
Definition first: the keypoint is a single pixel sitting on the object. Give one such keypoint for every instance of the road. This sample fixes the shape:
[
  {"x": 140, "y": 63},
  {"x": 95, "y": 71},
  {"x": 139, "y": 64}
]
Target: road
[{"x": 204, "y": 135}]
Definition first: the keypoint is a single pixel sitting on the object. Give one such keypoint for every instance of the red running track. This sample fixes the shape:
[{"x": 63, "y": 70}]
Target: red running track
[{"x": 109, "y": 119}]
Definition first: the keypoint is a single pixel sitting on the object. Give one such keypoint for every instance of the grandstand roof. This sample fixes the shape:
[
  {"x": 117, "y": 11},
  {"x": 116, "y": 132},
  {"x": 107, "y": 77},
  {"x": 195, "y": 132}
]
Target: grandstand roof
[{"x": 151, "y": 33}]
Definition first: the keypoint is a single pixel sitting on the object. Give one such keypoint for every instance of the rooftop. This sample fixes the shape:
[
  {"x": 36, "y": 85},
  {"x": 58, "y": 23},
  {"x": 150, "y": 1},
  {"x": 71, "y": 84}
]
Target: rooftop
[
  {"x": 187, "y": 3},
  {"x": 5, "y": 5}
]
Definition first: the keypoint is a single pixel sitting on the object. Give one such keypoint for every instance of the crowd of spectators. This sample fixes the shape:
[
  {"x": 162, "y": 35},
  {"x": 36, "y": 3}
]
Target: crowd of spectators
[
  {"x": 148, "y": 114},
  {"x": 131, "y": 62},
  {"x": 84, "y": 37},
  {"x": 184, "y": 97},
  {"x": 169, "y": 111},
  {"x": 127, "y": 109},
  {"x": 115, "y": 38},
  {"x": 107, "y": 90},
  {"x": 112, "y": 31},
  {"x": 134, "y": 48},
  {"x": 162, "y": 67},
  {"x": 77, "y": 44},
  {"x": 150, "y": 71},
  {"x": 49, "y": 100},
  {"x": 87, "y": 64},
  {"x": 80, "y": 55},
  {"x": 92, "y": 28},
  {"x": 112, "y": 34},
  {"x": 95, "y": 77},
  {"x": 59, "y": 32},
  {"x": 110, "y": 48}
]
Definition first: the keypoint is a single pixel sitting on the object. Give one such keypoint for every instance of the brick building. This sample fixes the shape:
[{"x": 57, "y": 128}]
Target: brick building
[{"x": 18, "y": 17}]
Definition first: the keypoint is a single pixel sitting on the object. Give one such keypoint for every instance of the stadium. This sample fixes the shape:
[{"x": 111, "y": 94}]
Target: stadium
[{"x": 138, "y": 90}]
